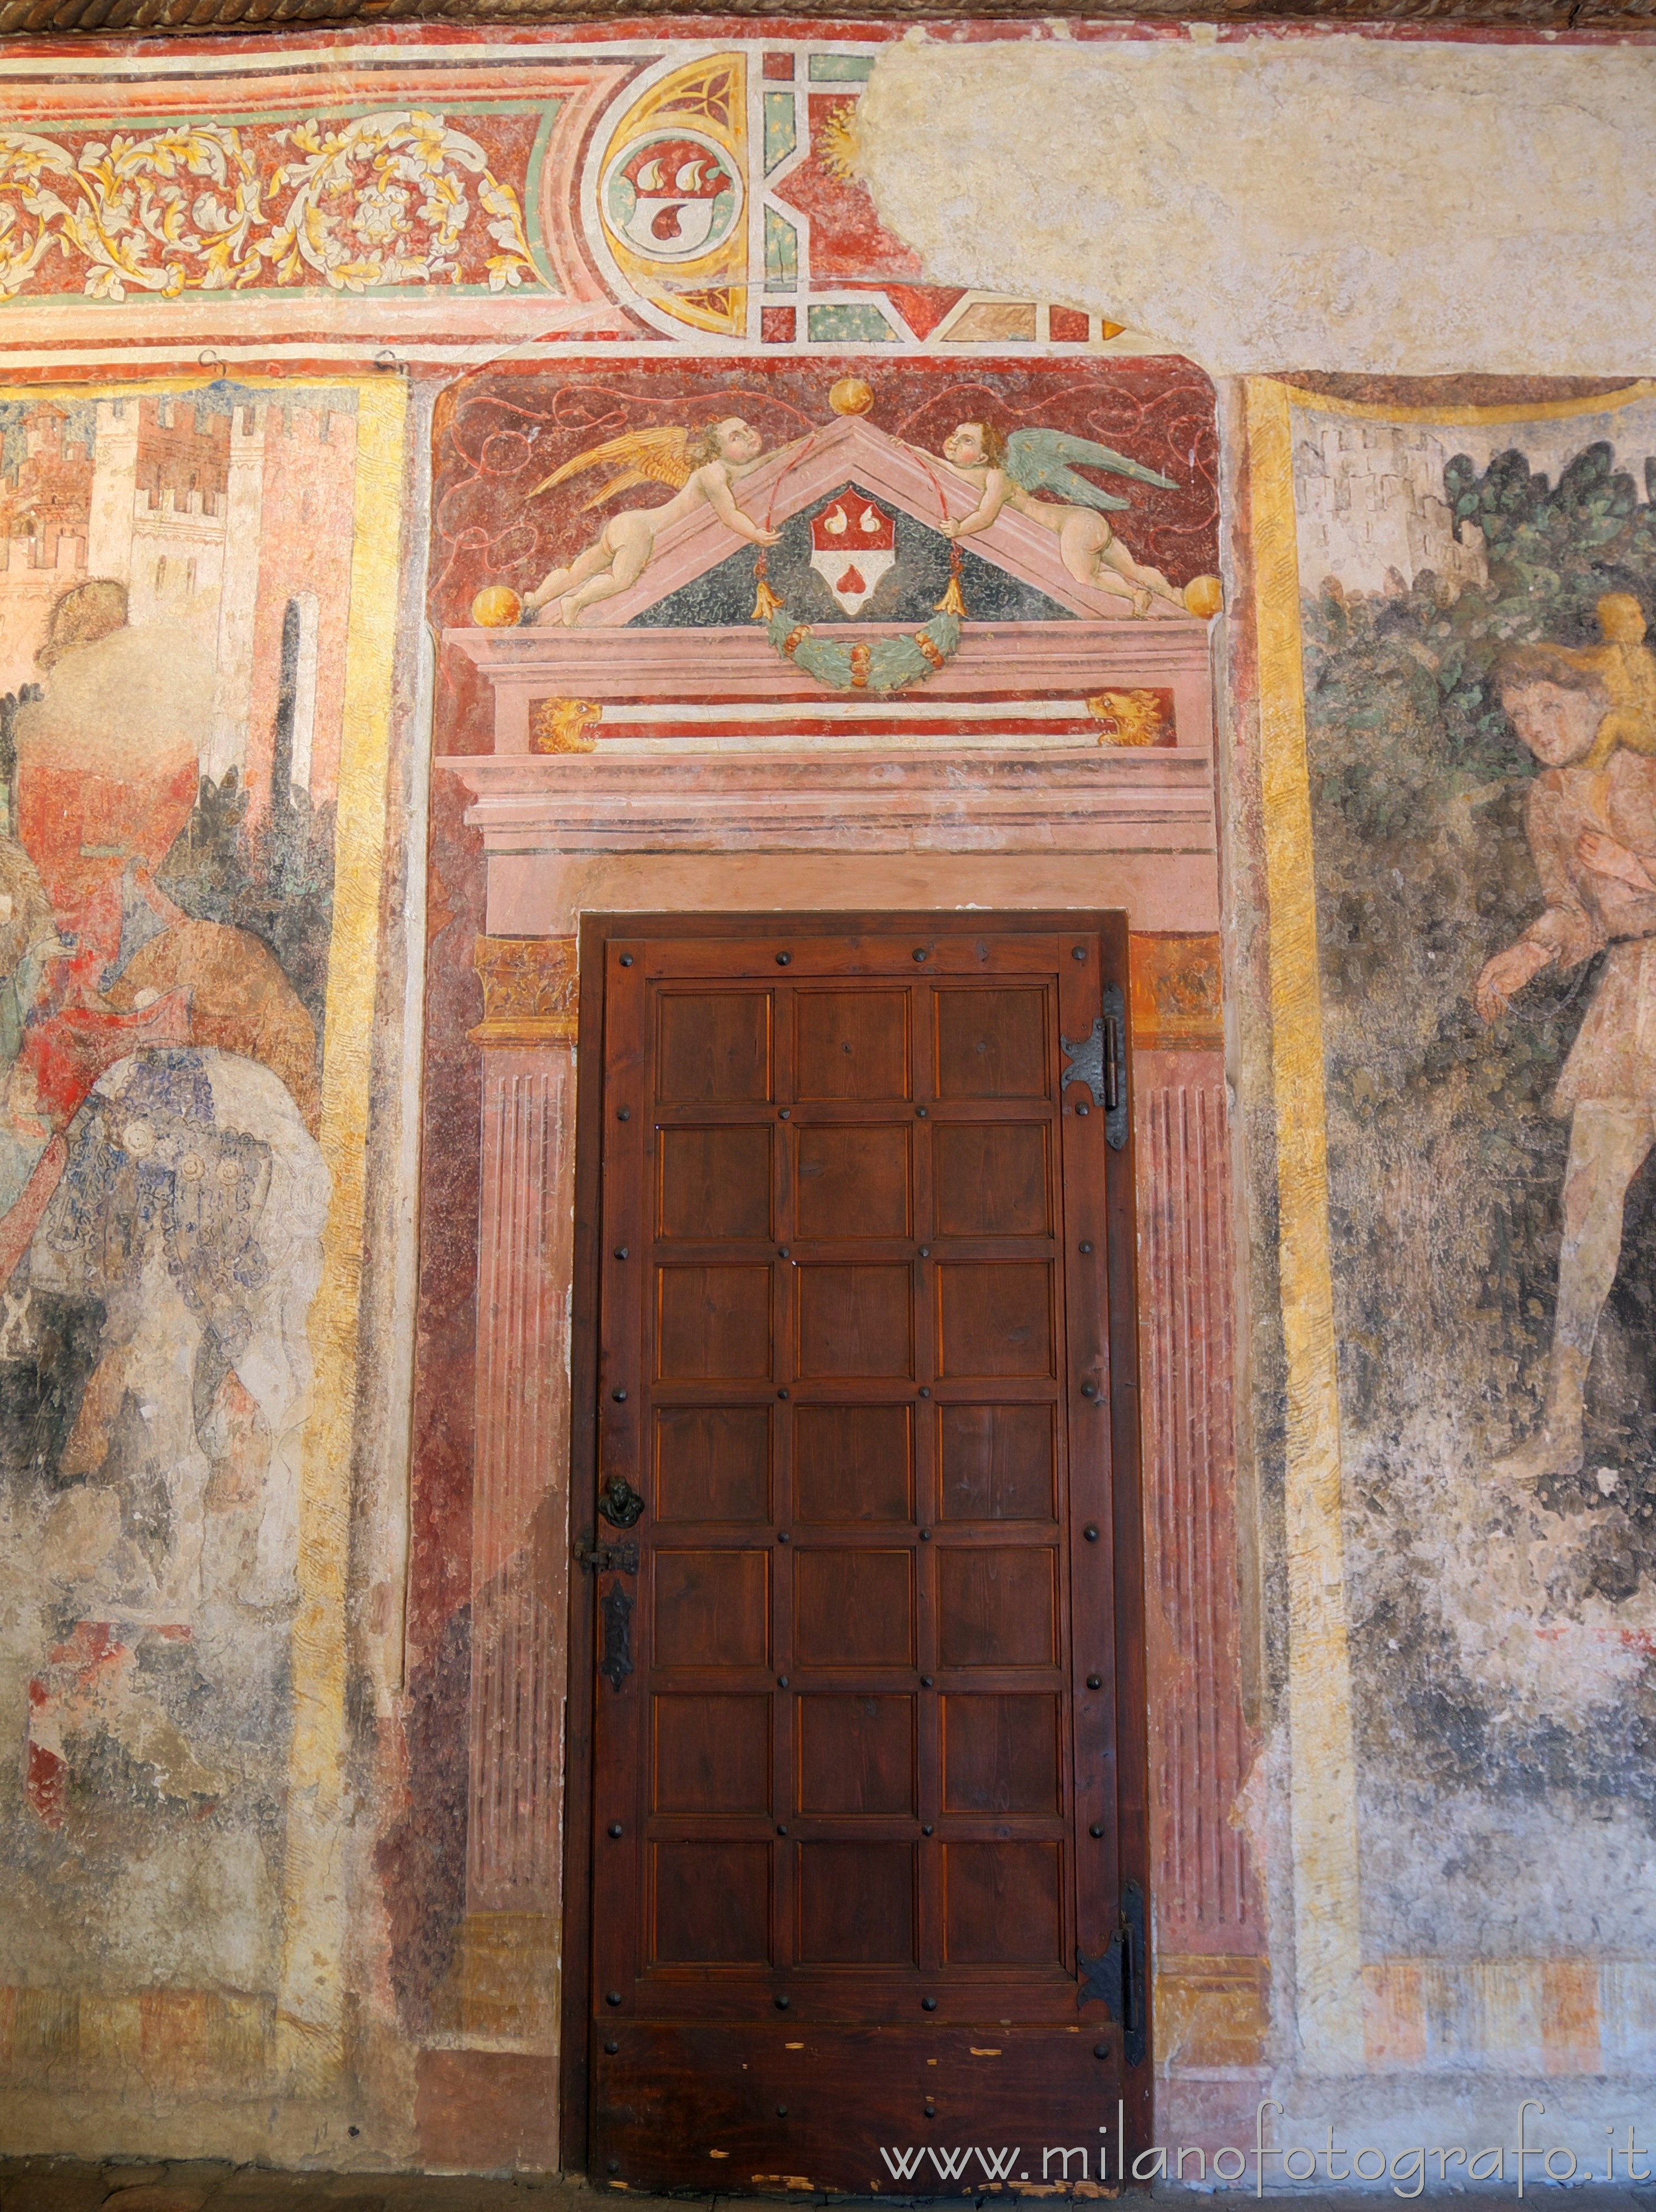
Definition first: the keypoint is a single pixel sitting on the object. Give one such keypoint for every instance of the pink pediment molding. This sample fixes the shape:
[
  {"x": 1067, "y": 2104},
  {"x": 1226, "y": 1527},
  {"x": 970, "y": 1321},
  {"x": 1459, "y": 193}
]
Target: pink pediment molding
[{"x": 923, "y": 486}]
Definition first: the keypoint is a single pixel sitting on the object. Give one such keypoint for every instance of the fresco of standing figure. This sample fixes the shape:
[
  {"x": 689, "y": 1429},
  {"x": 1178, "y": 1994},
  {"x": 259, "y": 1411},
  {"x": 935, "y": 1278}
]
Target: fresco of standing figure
[{"x": 1592, "y": 834}]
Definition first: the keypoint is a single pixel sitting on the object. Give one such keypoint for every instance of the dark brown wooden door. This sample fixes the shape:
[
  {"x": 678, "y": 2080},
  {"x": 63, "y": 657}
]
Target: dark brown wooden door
[{"x": 865, "y": 1761}]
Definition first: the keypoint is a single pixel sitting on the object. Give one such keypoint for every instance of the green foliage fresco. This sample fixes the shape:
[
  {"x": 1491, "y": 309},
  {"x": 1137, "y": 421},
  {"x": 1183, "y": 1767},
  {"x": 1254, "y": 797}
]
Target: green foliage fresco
[{"x": 1445, "y": 1160}]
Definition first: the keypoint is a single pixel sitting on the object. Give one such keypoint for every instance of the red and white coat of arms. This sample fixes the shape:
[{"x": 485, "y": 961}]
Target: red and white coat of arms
[{"x": 852, "y": 544}]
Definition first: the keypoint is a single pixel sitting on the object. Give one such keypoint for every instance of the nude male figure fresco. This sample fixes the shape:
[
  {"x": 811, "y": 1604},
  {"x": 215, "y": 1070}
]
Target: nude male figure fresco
[
  {"x": 701, "y": 466},
  {"x": 1593, "y": 833}
]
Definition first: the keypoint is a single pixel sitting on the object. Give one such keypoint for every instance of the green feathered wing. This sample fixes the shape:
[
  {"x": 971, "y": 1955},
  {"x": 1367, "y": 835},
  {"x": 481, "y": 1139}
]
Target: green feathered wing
[{"x": 1044, "y": 461}]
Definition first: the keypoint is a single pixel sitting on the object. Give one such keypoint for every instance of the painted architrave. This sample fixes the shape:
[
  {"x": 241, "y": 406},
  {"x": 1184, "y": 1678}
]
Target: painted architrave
[{"x": 1328, "y": 1960}]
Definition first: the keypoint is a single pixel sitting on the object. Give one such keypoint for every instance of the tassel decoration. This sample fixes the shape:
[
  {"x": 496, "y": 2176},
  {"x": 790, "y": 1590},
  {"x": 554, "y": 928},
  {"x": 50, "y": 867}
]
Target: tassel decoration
[
  {"x": 765, "y": 601},
  {"x": 951, "y": 603}
]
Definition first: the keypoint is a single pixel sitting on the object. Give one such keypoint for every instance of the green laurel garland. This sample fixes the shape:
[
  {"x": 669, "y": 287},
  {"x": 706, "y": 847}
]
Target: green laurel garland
[{"x": 885, "y": 665}]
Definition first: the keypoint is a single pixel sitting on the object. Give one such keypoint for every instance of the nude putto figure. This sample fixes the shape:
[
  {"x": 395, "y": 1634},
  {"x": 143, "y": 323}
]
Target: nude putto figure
[
  {"x": 702, "y": 467},
  {"x": 1012, "y": 471}
]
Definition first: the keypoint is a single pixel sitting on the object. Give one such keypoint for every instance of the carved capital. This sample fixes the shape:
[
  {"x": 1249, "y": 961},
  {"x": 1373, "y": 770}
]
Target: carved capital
[
  {"x": 532, "y": 990},
  {"x": 1177, "y": 994}
]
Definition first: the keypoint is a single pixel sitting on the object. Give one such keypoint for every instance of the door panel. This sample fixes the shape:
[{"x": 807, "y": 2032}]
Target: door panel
[{"x": 858, "y": 1795}]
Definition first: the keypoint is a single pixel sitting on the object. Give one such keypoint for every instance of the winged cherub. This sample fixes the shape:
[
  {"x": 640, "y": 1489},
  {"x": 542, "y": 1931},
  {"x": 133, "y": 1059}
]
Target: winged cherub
[
  {"x": 699, "y": 465},
  {"x": 1011, "y": 471}
]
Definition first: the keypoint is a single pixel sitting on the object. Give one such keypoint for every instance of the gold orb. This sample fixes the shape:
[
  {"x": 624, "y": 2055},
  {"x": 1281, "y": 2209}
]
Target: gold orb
[
  {"x": 1204, "y": 596},
  {"x": 851, "y": 396},
  {"x": 497, "y": 606}
]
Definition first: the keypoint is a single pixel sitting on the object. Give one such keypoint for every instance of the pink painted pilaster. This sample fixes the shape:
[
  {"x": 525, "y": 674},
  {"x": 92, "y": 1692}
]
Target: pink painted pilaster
[
  {"x": 1200, "y": 1753},
  {"x": 519, "y": 1593}
]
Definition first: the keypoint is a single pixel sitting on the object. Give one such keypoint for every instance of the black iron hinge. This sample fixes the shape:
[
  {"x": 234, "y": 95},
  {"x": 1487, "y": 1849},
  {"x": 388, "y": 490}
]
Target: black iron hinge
[
  {"x": 1116, "y": 1978},
  {"x": 1101, "y": 1062}
]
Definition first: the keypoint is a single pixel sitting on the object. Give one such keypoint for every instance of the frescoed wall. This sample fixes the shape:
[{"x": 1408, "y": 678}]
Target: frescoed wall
[
  {"x": 1473, "y": 588},
  {"x": 176, "y": 754},
  {"x": 458, "y": 481}
]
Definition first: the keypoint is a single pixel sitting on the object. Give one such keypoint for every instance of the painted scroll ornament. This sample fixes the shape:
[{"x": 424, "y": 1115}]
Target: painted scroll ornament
[{"x": 372, "y": 201}]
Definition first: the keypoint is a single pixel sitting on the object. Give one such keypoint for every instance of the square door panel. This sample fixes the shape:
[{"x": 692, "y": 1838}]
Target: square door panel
[
  {"x": 713, "y": 1048},
  {"x": 991, "y": 1044},
  {"x": 715, "y": 1183},
  {"x": 713, "y": 1324},
  {"x": 1000, "y": 1754},
  {"x": 713, "y": 1463},
  {"x": 850, "y": 1044},
  {"x": 1001, "y": 1904},
  {"x": 856, "y": 1754},
  {"x": 997, "y": 1462},
  {"x": 712, "y": 1608},
  {"x": 853, "y": 1608},
  {"x": 853, "y": 1462},
  {"x": 713, "y": 1904},
  {"x": 852, "y": 1181},
  {"x": 997, "y": 1609},
  {"x": 855, "y": 1321},
  {"x": 712, "y": 1754},
  {"x": 991, "y": 1178},
  {"x": 995, "y": 1317},
  {"x": 856, "y": 1904}
]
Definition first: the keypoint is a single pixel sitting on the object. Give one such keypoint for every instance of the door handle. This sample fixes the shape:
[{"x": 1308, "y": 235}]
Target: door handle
[{"x": 619, "y": 1503}]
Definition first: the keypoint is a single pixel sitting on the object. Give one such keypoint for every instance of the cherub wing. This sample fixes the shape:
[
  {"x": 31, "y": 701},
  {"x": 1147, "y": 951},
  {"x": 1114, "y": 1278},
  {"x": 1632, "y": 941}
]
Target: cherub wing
[
  {"x": 1041, "y": 460},
  {"x": 636, "y": 457}
]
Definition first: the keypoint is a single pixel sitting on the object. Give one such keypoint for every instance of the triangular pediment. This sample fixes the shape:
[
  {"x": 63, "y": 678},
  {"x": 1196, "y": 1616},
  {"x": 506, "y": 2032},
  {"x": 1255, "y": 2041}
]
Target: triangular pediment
[
  {"x": 798, "y": 478},
  {"x": 909, "y": 591}
]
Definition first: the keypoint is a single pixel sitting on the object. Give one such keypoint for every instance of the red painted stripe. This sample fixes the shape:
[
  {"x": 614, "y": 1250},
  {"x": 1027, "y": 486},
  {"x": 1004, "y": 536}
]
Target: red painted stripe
[{"x": 802, "y": 725}]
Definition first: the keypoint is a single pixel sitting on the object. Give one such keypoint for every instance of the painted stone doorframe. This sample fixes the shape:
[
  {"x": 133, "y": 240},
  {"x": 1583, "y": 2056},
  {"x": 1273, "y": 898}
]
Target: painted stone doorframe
[{"x": 764, "y": 832}]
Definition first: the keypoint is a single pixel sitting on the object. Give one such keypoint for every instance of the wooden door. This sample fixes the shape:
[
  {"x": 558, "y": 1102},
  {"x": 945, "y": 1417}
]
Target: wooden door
[{"x": 857, "y": 1841}]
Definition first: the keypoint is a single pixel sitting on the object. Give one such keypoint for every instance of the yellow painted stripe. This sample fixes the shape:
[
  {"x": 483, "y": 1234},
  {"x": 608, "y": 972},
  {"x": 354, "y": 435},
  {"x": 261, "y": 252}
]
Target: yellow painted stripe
[
  {"x": 312, "y": 2001},
  {"x": 1328, "y": 1959}
]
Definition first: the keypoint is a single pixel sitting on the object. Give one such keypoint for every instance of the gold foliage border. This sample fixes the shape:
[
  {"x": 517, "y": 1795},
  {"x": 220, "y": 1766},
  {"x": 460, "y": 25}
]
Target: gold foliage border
[{"x": 1333, "y": 2037}]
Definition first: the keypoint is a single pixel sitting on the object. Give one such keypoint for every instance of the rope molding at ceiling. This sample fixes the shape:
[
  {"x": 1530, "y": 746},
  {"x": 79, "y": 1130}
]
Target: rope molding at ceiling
[{"x": 54, "y": 18}]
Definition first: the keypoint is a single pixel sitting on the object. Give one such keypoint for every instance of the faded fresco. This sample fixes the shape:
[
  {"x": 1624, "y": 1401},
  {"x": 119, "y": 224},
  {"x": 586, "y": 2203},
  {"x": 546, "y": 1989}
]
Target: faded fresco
[
  {"x": 919, "y": 507},
  {"x": 1480, "y": 743},
  {"x": 174, "y": 619},
  {"x": 776, "y": 410}
]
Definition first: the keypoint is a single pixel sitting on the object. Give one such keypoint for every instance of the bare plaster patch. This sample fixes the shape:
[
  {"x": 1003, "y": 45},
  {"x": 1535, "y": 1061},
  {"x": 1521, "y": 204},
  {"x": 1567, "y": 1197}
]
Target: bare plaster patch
[{"x": 1261, "y": 204}]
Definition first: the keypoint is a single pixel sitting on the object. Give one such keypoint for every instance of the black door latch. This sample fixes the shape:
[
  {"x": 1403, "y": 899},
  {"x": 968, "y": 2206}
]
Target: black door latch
[{"x": 607, "y": 1558}]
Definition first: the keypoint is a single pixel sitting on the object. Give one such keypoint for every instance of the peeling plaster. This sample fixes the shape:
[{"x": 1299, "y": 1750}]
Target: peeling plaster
[{"x": 1407, "y": 209}]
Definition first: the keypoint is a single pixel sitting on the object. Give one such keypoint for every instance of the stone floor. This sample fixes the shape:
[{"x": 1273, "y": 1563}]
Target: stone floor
[{"x": 55, "y": 2184}]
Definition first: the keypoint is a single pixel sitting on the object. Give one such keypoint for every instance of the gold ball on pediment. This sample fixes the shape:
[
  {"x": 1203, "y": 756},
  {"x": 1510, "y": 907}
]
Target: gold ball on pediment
[
  {"x": 497, "y": 606},
  {"x": 851, "y": 396},
  {"x": 1203, "y": 596}
]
